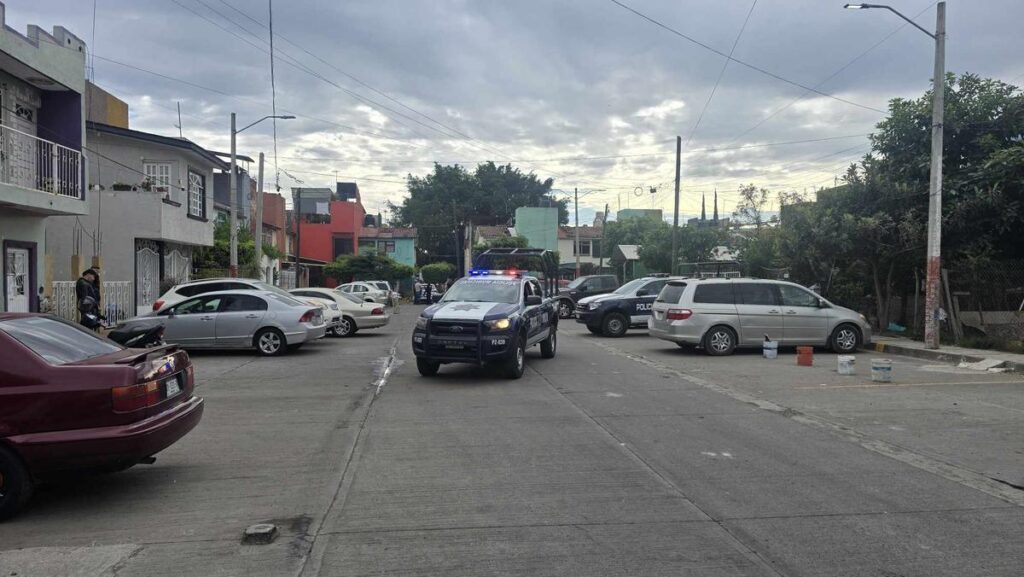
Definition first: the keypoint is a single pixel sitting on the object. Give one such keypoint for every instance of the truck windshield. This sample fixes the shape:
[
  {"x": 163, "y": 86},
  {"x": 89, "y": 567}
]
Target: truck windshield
[{"x": 483, "y": 291}]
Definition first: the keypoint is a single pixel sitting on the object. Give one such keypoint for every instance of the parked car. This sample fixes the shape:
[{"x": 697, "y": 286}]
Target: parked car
[
  {"x": 583, "y": 287},
  {"x": 628, "y": 306},
  {"x": 182, "y": 291},
  {"x": 355, "y": 314},
  {"x": 365, "y": 291},
  {"x": 73, "y": 400},
  {"x": 386, "y": 286},
  {"x": 720, "y": 315},
  {"x": 267, "y": 321}
]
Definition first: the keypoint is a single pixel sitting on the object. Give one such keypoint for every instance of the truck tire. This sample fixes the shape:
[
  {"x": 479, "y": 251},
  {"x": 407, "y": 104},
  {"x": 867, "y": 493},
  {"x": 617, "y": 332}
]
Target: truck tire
[
  {"x": 516, "y": 366},
  {"x": 565, "y": 309},
  {"x": 549, "y": 346},
  {"x": 427, "y": 368}
]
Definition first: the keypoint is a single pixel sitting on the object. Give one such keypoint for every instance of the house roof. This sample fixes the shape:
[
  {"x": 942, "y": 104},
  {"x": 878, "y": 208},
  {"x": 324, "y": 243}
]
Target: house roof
[
  {"x": 629, "y": 251},
  {"x": 586, "y": 232},
  {"x": 488, "y": 232},
  {"x": 386, "y": 233},
  {"x": 180, "y": 143}
]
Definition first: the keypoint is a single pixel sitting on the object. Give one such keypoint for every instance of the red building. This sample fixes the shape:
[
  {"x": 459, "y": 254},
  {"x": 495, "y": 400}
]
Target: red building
[{"x": 329, "y": 223}]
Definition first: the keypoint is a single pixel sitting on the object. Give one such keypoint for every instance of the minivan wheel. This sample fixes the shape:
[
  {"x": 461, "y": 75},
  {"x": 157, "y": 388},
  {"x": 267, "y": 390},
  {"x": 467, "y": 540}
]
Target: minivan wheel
[
  {"x": 720, "y": 341},
  {"x": 15, "y": 484},
  {"x": 614, "y": 325},
  {"x": 845, "y": 339},
  {"x": 269, "y": 342}
]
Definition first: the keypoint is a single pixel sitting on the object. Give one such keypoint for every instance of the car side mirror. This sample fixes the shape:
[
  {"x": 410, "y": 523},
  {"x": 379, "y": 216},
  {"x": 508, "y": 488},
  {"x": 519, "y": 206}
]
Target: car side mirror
[
  {"x": 823, "y": 304},
  {"x": 534, "y": 300},
  {"x": 435, "y": 297},
  {"x": 643, "y": 293}
]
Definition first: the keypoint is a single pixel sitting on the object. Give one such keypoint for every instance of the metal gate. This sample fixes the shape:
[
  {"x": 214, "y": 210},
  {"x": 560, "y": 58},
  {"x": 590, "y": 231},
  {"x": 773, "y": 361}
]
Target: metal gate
[
  {"x": 115, "y": 300},
  {"x": 147, "y": 274}
]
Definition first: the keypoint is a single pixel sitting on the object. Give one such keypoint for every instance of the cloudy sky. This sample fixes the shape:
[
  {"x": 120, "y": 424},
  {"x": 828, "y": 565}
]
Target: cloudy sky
[{"x": 582, "y": 91}]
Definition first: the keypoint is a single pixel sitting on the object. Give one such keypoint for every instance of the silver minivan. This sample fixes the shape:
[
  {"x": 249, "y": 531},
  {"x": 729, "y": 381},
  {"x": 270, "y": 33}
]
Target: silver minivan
[{"x": 720, "y": 315}]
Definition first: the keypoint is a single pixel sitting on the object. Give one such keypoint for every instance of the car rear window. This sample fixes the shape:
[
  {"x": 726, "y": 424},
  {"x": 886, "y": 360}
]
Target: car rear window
[
  {"x": 58, "y": 342},
  {"x": 672, "y": 293},
  {"x": 286, "y": 299},
  {"x": 198, "y": 289},
  {"x": 714, "y": 293}
]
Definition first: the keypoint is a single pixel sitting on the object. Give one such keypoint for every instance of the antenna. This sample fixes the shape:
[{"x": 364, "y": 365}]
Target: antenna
[{"x": 178, "y": 125}]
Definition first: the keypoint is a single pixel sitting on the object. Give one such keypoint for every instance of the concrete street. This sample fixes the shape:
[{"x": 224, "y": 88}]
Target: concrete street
[{"x": 627, "y": 457}]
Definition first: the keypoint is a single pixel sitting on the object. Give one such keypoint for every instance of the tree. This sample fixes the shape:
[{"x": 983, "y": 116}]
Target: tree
[
  {"x": 441, "y": 203},
  {"x": 372, "y": 266},
  {"x": 437, "y": 273},
  {"x": 216, "y": 260}
]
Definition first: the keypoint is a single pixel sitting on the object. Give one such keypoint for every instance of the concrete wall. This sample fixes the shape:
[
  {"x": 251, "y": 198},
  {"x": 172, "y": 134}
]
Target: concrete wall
[
  {"x": 317, "y": 240},
  {"x": 539, "y": 224},
  {"x": 105, "y": 108},
  {"x": 566, "y": 255},
  {"x": 24, "y": 227}
]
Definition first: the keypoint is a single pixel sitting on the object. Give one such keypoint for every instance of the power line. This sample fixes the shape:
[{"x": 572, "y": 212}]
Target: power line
[
  {"x": 721, "y": 73},
  {"x": 273, "y": 99},
  {"x": 741, "y": 62}
]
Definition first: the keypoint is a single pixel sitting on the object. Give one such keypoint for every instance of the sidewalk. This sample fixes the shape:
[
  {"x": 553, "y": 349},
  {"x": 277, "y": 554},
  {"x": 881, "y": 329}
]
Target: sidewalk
[{"x": 947, "y": 354}]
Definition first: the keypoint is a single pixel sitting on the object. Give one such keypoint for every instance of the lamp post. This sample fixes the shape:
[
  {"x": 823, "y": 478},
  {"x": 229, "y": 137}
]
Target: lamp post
[
  {"x": 932, "y": 299},
  {"x": 233, "y": 266}
]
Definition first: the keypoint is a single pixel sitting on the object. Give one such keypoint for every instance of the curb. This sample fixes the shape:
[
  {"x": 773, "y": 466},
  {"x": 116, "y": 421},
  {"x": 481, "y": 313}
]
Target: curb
[{"x": 951, "y": 358}]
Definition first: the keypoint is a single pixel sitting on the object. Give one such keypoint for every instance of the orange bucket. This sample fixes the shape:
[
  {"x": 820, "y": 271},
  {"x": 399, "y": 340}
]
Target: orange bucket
[{"x": 805, "y": 356}]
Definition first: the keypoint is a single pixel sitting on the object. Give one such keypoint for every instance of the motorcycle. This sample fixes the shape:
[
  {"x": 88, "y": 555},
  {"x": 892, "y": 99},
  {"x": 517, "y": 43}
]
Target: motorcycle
[{"x": 137, "y": 338}]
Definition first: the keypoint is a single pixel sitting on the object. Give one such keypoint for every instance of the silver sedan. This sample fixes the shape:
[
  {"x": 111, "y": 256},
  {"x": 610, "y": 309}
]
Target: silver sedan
[
  {"x": 268, "y": 321},
  {"x": 354, "y": 314}
]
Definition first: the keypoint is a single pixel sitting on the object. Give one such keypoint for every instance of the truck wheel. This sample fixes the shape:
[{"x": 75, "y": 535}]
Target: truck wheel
[
  {"x": 564, "y": 309},
  {"x": 515, "y": 366},
  {"x": 15, "y": 484},
  {"x": 549, "y": 346},
  {"x": 614, "y": 325},
  {"x": 427, "y": 368},
  {"x": 594, "y": 330}
]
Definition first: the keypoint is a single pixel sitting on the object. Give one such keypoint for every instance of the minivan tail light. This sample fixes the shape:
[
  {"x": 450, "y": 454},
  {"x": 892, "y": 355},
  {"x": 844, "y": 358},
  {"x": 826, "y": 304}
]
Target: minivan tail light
[
  {"x": 678, "y": 314},
  {"x": 158, "y": 305},
  {"x": 135, "y": 397},
  {"x": 308, "y": 316}
]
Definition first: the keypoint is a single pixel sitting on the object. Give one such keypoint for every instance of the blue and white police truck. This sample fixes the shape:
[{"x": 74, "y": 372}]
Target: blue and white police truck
[{"x": 629, "y": 306}]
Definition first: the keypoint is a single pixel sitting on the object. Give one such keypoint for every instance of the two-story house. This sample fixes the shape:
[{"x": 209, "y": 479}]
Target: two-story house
[
  {"x": 150, "y": 206},
  {"x": 397, "y": 243},
  {"x": 42, "y": 135}
]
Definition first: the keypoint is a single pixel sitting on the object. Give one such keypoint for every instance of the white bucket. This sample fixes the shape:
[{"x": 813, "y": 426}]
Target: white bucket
[
  {"x": 846, "y": 364},
  {"x": 771, "y": 349},
  {"x": 881, "y": 370}
]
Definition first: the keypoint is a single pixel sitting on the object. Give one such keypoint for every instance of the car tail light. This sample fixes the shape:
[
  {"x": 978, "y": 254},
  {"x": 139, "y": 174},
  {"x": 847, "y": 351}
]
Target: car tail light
[
  {"x": 190, "y": 375},
  {"x": 308, "y": 317},
  {"x": 678, "y": 314},
  {"x": 158, "y": 305},
  {"x": 135, "y": 397},
  {"x": 377, "y": 311}
]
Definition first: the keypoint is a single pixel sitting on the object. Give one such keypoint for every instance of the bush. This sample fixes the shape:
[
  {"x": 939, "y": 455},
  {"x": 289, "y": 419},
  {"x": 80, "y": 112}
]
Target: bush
[{"x": 438, "y": 272}]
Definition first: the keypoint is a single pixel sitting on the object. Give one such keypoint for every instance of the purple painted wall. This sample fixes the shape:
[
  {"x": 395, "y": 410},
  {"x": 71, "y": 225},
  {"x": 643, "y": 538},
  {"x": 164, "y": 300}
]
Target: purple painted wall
[{"x": 60, "y": 118}]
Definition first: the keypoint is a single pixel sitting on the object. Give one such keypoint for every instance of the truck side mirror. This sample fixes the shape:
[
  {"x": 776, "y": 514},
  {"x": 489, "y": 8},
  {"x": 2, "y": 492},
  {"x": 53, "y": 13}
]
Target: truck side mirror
[{"x": 534, "y": 300}]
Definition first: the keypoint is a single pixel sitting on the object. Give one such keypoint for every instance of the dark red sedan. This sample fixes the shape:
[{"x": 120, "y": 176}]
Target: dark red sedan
[{"x": 72, "y": 400}]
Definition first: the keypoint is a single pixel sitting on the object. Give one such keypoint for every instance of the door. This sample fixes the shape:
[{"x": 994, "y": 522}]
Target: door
[
  {"x": 643, "y": 301},
  {"x": 147, "y": 275},
  {"x": 192, "y": 324},
  {"x": 760, "y": 313},
  {"x": 805, "y": 322},
  {"x": 538, "y": 323},
  {"x": 17, "y": 279},
  {"x": 238, "y": 318}
]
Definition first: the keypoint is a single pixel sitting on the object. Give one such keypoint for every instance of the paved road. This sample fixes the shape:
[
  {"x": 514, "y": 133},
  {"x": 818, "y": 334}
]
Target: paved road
[{"x": 619, "y": 457}]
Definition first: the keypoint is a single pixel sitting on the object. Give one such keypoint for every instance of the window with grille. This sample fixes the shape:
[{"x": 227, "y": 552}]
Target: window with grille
[
  {"x": 196, "y": 194},
  {"x": 158, "y": 174}
]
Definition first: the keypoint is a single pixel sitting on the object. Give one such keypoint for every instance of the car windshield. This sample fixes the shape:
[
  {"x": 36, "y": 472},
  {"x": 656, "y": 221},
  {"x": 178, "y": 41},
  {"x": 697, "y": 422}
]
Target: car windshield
[
  {"x": 57, "y": 341},
  {"x": 484, "y": 291},
  {"x": 577, "y": 282},
  {"x": 630, "y": 287}
]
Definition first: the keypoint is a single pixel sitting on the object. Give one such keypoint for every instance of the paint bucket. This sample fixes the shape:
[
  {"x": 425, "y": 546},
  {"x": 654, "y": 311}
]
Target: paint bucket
[
  {"x": 881, "y": 370},
  {"x": 805, "y": 356},
  {"x": 846, "y": 364},
  {"x": 771, "y": 349}
]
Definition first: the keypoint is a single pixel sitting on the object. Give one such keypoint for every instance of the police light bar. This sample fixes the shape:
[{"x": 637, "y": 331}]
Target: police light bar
[{"x": 500, "y": 272}]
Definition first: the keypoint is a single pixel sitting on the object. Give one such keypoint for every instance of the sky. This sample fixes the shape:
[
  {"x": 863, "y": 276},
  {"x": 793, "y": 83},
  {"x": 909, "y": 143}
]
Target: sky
[{"x": 585, "y": 92}]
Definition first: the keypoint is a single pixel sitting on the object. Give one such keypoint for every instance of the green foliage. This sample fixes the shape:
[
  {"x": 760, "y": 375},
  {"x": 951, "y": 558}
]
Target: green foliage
[
  {"x": 217, "y": 258},
  {"x": 438, "y": 272},
  {"x": 372, "y": 266},
  {"x": 272, "y": 252},
  {"x": 655, "y": 240},
  {"x": 440, "y": 202}
]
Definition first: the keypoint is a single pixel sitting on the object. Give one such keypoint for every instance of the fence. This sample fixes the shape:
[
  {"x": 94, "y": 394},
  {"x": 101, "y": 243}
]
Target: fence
[
  {"x": 990, "y": 298},
  {"x": 32, "y": 162},
  {"x": 115, "y": 300}
]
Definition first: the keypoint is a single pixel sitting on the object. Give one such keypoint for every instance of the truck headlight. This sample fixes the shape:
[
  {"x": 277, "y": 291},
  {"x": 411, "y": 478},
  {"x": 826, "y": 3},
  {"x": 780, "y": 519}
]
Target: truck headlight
[
  {"x": 498, "y": 324},
  {"x": 592, "y": 306},
  {"x": 421, "y": 323}
]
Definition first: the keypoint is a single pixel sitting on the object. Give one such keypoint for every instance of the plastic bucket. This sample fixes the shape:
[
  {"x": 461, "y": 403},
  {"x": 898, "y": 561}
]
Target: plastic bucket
[
  {"x": 805, "y": 356},
  {"x": 881, "y": 370},
  {"x": 846, "y": 364},
  {"x": 771, "y": 349}
]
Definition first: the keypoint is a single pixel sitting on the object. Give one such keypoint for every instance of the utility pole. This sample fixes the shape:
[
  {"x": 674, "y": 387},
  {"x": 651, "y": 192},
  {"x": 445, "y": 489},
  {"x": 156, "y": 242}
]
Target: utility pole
[
  {"x": 576, "y": 248},
  {"x": 604, "y": 226},
  {"x": 931, "y": 296},
  {"x": 257, "y": 236},
  {"x": 675, "y": 216},
  {"x": 297, "y": 219},
  {"x": 233, "y": 267}
]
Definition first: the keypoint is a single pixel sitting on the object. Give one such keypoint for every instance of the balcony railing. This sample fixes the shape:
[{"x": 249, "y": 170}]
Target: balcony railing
[{"x": 31, "y": 162}]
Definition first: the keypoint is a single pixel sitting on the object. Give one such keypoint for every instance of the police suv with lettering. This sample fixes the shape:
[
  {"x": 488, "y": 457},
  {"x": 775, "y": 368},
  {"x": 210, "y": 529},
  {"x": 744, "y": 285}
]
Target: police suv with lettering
[
  {"x": 628, "y": 307},
  {"x": 489, "y": 317}
]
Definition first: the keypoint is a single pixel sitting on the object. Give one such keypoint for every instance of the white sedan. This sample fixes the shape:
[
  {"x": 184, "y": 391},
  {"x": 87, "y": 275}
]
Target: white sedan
[
  {"x": 365, "y": 291},
  {"x": 356, "y": 314}
]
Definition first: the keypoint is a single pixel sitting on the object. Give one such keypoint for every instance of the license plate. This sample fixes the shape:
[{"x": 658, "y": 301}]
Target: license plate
[{"x": 173, "y": 387}]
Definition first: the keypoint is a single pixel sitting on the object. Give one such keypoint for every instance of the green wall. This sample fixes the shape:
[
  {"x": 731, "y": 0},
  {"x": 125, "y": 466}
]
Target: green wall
[{"x": 539, "y": 224}]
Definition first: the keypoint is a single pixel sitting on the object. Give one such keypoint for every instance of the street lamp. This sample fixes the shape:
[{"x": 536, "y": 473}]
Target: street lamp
[
  {"x": 233, "y": 267},
  {"x": 931, "y": 299}
]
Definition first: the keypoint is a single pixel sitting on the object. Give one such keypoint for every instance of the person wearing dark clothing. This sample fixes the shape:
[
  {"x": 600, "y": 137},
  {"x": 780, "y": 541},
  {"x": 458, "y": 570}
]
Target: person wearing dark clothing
[{"x": 88, "y": 286}]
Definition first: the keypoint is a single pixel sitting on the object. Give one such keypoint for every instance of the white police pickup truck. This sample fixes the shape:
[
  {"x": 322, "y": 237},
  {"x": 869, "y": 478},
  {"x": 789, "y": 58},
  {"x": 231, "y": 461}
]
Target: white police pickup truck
[{"x": 489, "y": 317}]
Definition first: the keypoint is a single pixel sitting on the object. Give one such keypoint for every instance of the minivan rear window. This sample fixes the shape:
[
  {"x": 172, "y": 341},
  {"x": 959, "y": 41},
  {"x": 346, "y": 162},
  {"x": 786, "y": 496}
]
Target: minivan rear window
[
  {"x": 714, "y": 293},
  {"x": 672, "y": 293}
]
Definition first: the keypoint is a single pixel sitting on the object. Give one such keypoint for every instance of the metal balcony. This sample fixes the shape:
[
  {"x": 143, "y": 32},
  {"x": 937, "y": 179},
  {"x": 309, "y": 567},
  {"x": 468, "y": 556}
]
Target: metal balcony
[{"x": 34, "y": 163}]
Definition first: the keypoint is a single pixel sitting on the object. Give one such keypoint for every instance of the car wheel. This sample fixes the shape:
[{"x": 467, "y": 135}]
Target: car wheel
[
  {"x": 15, "y": 484},
  {"x": 549, "y": 346},
  {"x": 845, "y": 339},
  {"x": 346, "y": 328},
  {"x": 614, "y": 325},
  {"x": 720, "y": 341},
  {"x": 516, "y": 366},
  {"x": 564, "y": 309},
  {"x": 427, "y": 368},
  {"x": 270, "y": 342}
]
